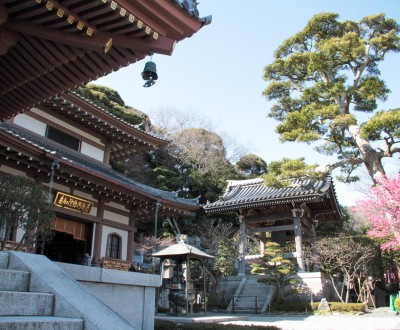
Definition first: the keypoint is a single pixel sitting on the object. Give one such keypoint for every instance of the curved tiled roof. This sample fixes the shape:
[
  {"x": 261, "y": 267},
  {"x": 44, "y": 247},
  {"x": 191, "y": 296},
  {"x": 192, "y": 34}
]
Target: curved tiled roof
[
  {"x": 182, "y": 249},
  {"x": 77, "y": 108},
  {"x": 244, "y": 194},
  {"x": 134, "y": 127},
  {"x": 50, "y": 47},
  {"x": 84, "y": 162}
]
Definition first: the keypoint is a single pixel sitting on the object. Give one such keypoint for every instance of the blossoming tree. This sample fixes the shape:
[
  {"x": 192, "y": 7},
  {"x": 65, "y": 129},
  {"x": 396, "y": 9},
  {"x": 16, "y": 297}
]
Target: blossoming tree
[{"x": 382, "y": 207}]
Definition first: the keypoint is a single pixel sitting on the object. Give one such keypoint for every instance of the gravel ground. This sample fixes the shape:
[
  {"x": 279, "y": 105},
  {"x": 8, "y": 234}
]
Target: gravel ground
[{"x": 379, "y": 319}]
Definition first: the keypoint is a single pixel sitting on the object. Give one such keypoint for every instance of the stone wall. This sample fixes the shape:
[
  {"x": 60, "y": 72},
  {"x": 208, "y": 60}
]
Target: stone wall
[
  {"x": 226, "y": 288},
  {"x": 311, "y": 283},
  {"x": 130, "y": 294}
]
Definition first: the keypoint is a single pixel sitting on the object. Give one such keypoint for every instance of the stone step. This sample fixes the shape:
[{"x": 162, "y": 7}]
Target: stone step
[
  {"x": 26, "y": 303},
  {"x": 39, "y": 323},
  {"x": 253, "y": 294},
  {"x": 251, "y": 299},
  {"x": 3, "y": 260},
  {"x": 14, "y": 280},
  {"x": 255, "y": 290},
  {"x": 248, "y": 303},
  {"x": 247, "y": 311},
  {"x": 247, "y": 308}
]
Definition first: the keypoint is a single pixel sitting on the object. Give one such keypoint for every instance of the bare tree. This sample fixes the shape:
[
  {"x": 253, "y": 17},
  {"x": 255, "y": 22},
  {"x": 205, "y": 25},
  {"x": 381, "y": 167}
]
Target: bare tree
[
  {"x": 172, "y": 121},
  {"x": 357, "y": 221},
  {"x": 349, "y": 257},
  {"x": 210, "y": 232},
  {"x": 147, "y": 244}
]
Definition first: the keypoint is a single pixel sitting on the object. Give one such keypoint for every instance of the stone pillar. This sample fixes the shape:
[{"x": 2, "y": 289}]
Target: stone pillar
[
  {"x": 262, "y": 246},
  {"x": 297, "y": 214},
  {"x": 242, "y": 247},
  {"x": 98, "y": 233},
  {"x": 131, "y": 234}
]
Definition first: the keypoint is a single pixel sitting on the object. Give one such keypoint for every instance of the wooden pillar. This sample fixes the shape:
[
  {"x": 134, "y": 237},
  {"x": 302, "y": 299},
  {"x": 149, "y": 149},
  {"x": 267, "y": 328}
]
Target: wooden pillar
[
  {"x": 131, "y": 234},
  {"x": 98, "y": 233},
  {"x": 313, "y": 242},
  {"x": 107, "y": 152},
  {"x": 242, "y": 247},
  {"x": 297, "y": 214}
]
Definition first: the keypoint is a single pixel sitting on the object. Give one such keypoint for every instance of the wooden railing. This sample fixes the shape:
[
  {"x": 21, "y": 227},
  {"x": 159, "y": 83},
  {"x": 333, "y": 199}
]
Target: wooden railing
[{"x": 11, "y": 245}]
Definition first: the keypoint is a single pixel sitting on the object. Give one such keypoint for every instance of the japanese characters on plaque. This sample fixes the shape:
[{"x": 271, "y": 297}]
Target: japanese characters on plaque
[{"x": 72, "y": 202}]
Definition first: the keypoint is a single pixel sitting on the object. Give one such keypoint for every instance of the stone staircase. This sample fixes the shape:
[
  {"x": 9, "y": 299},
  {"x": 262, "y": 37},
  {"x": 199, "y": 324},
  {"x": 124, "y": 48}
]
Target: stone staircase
[
  {"x": 36, "y": 294},
  {"x": 251, "y": 297},
  {"x": 22, "y": 309}
]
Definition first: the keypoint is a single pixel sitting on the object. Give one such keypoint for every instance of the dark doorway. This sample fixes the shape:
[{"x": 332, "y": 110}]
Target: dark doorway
[{"x": 64, "y": 248}]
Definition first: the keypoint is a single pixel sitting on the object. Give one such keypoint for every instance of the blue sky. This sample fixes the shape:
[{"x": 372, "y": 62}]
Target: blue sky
[{"x": 217, "y": 73}]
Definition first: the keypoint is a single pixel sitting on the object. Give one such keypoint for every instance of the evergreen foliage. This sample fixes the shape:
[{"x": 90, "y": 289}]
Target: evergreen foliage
[
  {"x": 109, "y": 99},
  {"x": 24, "y": 205},
  {"x": 281, "y": 173},
  {"x": 252, "y": 166},
  {"x": 224, "y": 264},
  {"x": 325, "y": 76},
  {"x": 278, "y": 270}
]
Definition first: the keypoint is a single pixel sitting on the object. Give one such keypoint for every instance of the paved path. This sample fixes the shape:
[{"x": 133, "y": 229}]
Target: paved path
[{"x": 380, "y": 319}]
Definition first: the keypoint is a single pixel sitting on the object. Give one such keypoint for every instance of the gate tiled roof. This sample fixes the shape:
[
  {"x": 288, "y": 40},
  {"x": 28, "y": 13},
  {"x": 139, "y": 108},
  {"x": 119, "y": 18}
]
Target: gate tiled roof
[{"x": 253, "y": 194}]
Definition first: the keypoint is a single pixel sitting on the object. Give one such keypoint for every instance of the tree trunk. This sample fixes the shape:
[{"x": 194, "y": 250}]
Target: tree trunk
[
  {"x": 348, "y": 288},
  {"x": 371, "y": 157},
  {"x": 339, "y": 295},
  {"x": 279, "y": 292}
]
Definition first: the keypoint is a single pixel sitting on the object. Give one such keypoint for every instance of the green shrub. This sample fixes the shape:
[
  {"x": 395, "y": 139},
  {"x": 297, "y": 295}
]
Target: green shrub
[
  {"x": 349, "y": 307},
  {"x": 342, "y": 307},
  {"x": 397, "y": 304},
  {"x": 164, "y": 325},
  {"x": 307, "y": 307},
  {"x": 291, "y": 307},
  {"x": 315, "y": 305}
]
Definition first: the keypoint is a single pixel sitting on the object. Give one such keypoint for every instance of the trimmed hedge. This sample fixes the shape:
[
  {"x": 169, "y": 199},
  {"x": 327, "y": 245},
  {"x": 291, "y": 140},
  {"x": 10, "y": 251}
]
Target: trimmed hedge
[
  {"x": 308, "y": 307},
  {"x": 343, "y": 307},
  {"x": 292, "y": 307}
]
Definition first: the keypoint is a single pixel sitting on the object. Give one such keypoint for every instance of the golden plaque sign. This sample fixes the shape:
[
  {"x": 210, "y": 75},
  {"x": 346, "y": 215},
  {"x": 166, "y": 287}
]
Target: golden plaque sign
[{"x": 72, "y": 202}]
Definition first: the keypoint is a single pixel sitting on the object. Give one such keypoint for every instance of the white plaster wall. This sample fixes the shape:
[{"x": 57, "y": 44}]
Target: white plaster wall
[
  {"x": 31, "y": 124},
  {"x": 9, "y": 170},
  {"x": 73, "y": 128},
  {"x": 118, "y": 206},
  {"x": 39, "y": 127},
  {"x": 84, "y": 195},
  {"x": 116, "y": 217},
  {"x": 124, "y": 240},
  {"x": 92, "y": 151},
  {"x": 57, "y": 186}
]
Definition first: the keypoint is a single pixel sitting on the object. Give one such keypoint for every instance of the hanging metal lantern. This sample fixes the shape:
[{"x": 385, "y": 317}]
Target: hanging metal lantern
[{"x": 149, "y": 74}]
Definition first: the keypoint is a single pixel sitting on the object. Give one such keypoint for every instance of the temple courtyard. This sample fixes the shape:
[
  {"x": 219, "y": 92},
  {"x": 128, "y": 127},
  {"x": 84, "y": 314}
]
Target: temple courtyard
[{"x": 374, "y": 319}]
